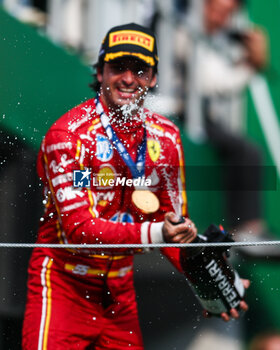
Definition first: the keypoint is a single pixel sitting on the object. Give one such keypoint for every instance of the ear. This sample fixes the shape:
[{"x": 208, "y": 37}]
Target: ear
[
  {"x": 153, "y": 81},
  {"x": 99, "y": 75}
]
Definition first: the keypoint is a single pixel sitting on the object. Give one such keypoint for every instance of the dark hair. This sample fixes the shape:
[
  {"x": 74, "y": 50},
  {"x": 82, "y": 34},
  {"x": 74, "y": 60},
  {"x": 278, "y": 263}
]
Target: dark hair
[{"x": 95, "y": 85}]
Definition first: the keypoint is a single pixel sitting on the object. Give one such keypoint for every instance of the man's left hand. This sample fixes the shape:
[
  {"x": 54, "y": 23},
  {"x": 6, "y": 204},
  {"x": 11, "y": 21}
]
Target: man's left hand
[{"x": 233, "y": 313}]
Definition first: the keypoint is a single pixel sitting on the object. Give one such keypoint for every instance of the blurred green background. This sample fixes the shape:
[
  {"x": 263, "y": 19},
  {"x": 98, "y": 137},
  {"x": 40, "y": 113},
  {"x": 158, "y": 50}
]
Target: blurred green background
[{"x": 40, "y": 81}]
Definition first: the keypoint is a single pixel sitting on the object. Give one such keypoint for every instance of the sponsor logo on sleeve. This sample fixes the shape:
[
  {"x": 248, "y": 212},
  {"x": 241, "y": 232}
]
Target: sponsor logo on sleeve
[
  {"x": 61, "y": 179},
  {"x": 58, "y": 146},
  {"x": 67, "y": 193},
  {"x": 74, "y": 206},
  {"x": 74, "y": 125},
  {"x": 60, "y": 167}
]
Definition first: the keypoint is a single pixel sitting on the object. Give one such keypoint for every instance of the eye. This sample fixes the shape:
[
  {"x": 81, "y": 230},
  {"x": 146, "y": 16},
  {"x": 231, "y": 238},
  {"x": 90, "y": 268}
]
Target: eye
[
  {"x": 118, "y": 67},
  {"x": 141, "y": 71}
]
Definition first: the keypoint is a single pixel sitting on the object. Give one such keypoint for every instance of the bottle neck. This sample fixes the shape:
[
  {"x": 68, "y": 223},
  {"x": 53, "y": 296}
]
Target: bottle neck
[{"x": 191, "y": 252}]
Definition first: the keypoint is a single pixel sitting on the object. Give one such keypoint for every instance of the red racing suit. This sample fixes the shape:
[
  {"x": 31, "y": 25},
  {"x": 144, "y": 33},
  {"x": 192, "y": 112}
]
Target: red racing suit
[{"x": 83, "y": 299}]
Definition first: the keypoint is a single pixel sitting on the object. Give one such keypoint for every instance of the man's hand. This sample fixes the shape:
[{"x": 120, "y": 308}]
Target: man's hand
[
  {"x": 180, "y": 233},
  {"x": 233, "y": 312},
  {"x": 256, "y": 45}
]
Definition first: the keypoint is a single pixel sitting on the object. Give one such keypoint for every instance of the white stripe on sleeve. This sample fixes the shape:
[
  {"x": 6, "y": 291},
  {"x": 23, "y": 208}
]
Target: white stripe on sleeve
[
  {"x": 156, "y": 232},
  {"x": 144, "y": 232}
]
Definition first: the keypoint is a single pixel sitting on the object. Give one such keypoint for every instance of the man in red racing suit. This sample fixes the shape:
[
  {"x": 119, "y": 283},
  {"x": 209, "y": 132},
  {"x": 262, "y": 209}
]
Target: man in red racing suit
[
  {"x": 85, "y": 299},
  {"x": 85, "y": 281}
]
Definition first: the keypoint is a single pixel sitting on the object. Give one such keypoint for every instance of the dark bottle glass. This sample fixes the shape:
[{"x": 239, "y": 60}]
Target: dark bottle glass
[{"x": 215, "y": 283}]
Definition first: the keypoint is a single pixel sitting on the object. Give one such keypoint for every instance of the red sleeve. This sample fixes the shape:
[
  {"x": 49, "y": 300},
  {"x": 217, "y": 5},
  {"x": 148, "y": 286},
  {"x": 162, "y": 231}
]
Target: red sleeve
[{"x": 62, "y": 153}]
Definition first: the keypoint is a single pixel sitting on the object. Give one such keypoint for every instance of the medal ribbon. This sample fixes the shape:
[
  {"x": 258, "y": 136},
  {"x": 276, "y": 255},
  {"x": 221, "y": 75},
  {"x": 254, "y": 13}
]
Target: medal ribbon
[{"x": 136, "y": 168}]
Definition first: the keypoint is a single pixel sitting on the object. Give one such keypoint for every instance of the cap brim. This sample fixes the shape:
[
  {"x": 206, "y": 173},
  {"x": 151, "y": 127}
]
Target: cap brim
[{"x": 148, "y": 60}]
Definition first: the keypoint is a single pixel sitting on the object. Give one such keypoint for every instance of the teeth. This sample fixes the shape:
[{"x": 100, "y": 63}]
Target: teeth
[{"x": 127, "y": 90}]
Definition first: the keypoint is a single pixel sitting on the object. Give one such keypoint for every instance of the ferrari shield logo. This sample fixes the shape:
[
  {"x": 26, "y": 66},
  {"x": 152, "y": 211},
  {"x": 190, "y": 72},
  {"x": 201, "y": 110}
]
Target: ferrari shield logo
[{"x": 153, "y": 149}]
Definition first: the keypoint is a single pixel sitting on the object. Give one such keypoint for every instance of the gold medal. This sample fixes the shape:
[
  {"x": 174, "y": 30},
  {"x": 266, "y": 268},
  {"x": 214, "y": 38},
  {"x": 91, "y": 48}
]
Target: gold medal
[{"x": 146, "y": 201}]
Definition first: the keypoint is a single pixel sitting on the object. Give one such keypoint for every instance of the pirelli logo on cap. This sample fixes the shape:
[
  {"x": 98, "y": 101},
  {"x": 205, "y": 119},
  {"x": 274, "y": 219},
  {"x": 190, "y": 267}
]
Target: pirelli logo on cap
[{"x": 132, "y": 37}]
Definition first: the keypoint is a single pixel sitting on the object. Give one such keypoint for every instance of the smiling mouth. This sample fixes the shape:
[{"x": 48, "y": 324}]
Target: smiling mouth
[{"x": 127, "y": 91}]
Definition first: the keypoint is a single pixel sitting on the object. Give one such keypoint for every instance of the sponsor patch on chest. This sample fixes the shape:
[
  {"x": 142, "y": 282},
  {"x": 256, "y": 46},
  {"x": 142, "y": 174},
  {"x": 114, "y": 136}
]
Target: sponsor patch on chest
[
  {"x": 104, "y": 149},
  {"x": 153, "y": 147}
]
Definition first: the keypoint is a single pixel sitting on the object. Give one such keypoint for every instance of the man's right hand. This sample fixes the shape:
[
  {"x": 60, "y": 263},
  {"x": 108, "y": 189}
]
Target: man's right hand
[{"x": 180, "y": 233}]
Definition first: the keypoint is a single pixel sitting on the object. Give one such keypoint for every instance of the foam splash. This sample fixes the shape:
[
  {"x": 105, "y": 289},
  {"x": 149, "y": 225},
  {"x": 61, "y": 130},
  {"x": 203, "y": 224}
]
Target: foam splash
[
  {"x": 173, "y": 195},
  {"x": 129, "y": 113}
]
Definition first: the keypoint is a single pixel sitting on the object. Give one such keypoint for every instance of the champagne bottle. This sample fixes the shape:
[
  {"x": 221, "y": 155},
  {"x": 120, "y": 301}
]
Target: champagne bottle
[{"x": 215, "y": 283}]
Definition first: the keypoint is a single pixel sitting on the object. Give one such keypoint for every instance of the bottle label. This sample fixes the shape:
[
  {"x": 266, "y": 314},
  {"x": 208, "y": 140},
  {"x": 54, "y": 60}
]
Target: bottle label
[{"x": 223, "y": 284}]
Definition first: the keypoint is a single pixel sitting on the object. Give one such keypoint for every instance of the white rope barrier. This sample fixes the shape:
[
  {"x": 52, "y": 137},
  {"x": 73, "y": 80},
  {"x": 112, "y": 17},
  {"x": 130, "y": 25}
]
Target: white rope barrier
[{"x": 135, "y": 246}]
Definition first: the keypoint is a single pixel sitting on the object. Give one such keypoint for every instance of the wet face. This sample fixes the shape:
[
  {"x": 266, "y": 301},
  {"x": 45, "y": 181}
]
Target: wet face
[
  {"x": 125, "y": 81},
  {"x": 217, "y": 13}
]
